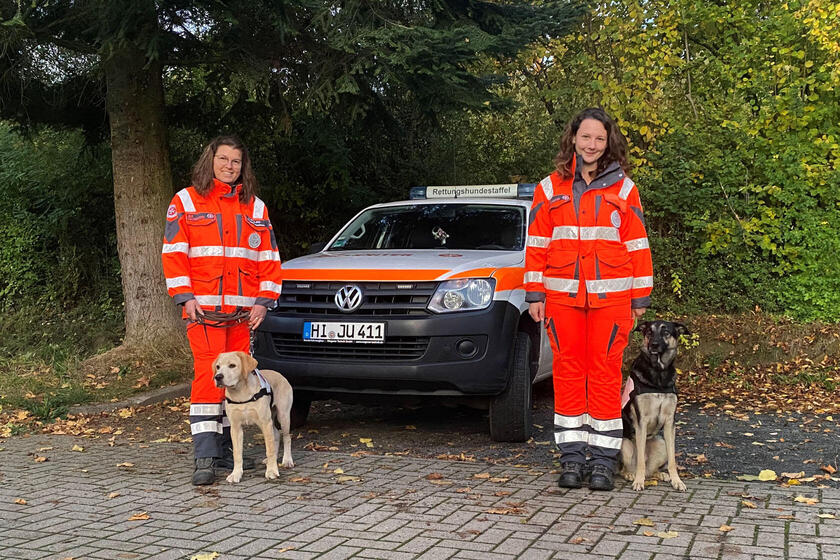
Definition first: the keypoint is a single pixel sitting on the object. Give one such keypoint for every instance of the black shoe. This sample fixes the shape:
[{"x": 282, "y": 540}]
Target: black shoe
[
  {"x": 204, "y": 473},
  {"x": 226, "y": 462},
  {"x": 572, "y": 475},
  {"x": 601, "y": 478}
]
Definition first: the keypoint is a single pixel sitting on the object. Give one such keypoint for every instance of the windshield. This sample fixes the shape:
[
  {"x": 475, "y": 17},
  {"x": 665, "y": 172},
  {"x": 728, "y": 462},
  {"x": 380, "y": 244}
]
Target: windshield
[{"x": 436, "y": 226}]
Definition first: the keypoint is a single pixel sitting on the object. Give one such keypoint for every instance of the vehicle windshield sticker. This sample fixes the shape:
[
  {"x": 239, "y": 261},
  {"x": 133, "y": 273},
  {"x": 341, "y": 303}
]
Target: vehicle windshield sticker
[{"x": 440, "y": 235}]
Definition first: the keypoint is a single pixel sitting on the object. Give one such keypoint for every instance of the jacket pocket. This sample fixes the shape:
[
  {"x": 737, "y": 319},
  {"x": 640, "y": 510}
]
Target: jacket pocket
[
  {"x": 614, "y": 263},
  {"x": 207, "y": 288},
  {"x": 562, "y": 263}
]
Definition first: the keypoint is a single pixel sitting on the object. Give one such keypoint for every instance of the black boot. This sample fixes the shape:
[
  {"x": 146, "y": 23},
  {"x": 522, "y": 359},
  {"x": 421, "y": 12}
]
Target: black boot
[
  {"x": 204, "y": 473},
  {"x": 572, "y": 475},
  {"x": 601, "y": 478}
]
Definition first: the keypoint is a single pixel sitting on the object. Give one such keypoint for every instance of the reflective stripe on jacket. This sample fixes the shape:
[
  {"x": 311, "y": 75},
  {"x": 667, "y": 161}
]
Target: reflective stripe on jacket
[
  {"x": 599, "y": 255},
  {"x": 220, "y": 251}
]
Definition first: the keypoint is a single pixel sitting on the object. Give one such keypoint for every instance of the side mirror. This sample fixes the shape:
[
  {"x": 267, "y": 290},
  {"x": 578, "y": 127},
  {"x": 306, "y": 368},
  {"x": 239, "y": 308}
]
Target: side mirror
[{"x": 316, "y": 247}]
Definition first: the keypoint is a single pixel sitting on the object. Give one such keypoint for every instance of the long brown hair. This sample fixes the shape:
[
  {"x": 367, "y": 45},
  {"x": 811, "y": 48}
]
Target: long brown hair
[
  {"x": 202, "y": 171},
  {"x": 616, "y": 143}
]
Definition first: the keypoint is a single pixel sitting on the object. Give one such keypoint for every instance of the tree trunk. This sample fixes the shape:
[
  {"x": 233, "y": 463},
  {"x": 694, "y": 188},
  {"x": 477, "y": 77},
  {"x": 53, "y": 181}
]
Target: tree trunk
[{"x": 142, "y": 191}]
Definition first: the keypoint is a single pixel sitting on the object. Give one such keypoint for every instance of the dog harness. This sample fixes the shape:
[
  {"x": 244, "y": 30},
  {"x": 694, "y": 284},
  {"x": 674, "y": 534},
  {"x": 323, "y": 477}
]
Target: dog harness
[{"x": 265, "y": 390}]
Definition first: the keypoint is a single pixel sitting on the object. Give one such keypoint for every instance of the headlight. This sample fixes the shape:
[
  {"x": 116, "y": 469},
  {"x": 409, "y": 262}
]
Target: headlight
[{"x": 464, "y": 294}]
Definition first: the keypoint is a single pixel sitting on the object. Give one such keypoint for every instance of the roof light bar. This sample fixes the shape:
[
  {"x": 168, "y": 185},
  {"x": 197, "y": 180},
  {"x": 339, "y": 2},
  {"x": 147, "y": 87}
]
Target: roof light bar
[{"x": 511, "y": 190}]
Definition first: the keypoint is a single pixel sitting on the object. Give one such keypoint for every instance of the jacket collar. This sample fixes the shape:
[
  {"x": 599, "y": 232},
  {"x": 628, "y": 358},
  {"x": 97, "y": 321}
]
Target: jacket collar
[{"x": 222, "y": 189}]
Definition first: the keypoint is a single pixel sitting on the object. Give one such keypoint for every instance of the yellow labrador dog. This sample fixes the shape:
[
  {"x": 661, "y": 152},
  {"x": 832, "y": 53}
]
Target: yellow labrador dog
[{"x": 255, "y": 398}]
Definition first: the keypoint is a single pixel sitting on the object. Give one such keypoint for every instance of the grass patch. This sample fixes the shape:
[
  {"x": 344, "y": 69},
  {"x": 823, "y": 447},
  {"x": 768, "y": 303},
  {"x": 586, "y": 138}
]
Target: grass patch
[{"x": 56, "y": 359}]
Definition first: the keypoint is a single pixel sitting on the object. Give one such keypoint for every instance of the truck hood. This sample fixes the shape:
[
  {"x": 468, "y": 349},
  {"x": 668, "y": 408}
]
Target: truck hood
[{"x": 397, "y": 265}]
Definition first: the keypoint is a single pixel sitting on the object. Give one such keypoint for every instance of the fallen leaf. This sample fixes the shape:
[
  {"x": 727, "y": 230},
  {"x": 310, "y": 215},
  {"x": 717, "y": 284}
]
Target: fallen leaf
[
  {"x": 644, "y": 521},
  {"x": 802, "y": 499},
  {"x": 793, "y": 475},
  {"x": 501, "y": 493},
  {"x": 652, "y": 482},
  {"x": 204, "y": 556},
  {"x": 827, "y": 516},
  {"x": 441, "y": 482},
  {"x": 577, "y": 540},
  {"x": 482, "y": 475},
  {"x": 829, "y": 469},
  {"x": 747, "y": 503},
  {"x": 125, "y": 412},
  {"x": 367, "y": 441},
  {"x": 339, "y": 470},
  {"x": 648, "y": 533},
  {"x": 142, "y": 382},
  {"x": 20, "y": 502},
  {"x": 667, "y": 534},
  {"x": 701, "y": 458},
  {"x": 301, "y": 479},
  {"x": 725, "y": 528},
  {"x": 498, "y": 479},
  {"x": 139, "y": 516},
  {"x": 285, "y": 549},
  {"x": 126, "y": 464},
  {"x": 463, "y": 490},
  {"x": 40, "y": 459},
  {"x": 785, "y": 517},
  {"x": 410, "y": 427},
  {"x": 434, "y": 476},
  {"x": 348, "y": 478},
  {"x": 767, "y": 475},
  {"x": 506, "y": 511},
  {"x": 77, "y": 448},
  {"x": 113, "y": 495}
]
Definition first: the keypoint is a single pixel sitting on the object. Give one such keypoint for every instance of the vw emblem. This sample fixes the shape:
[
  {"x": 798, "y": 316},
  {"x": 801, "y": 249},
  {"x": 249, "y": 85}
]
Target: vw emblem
[{"x": 348, "y": 298}]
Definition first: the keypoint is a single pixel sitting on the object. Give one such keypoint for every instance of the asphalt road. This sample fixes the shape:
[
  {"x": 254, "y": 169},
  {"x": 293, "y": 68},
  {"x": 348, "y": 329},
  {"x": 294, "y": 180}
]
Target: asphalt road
[{"x": 722, "y": 443}]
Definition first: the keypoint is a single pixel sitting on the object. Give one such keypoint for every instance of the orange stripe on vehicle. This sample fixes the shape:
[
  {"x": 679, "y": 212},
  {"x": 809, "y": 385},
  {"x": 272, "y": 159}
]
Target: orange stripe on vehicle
[
  {"x": 475, "y": 273},
  {"x": 362, "y": 275},
  {"x": 509, "y": 278}
]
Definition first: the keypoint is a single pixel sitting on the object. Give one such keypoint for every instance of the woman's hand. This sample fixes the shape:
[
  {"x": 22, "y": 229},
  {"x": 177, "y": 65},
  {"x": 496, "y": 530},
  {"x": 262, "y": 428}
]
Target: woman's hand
[
  {"x": 193, "y": 310},
  {"x": 537, "y": 311},
  {"x": 256, "y": 317},
  {"x": 638, "y": 312}
]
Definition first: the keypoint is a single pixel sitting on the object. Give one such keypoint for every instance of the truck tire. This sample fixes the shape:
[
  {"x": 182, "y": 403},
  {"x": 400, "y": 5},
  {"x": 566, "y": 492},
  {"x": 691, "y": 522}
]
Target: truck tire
[
  {"x": 510, "y": 412},
  {"x": 300, "y": 411}
]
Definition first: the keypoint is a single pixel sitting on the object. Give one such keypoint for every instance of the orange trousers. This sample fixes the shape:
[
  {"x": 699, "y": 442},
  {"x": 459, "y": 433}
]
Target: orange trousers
[
  {"x": 208, "y": 426},
  {"x": 588, "y": 345}
]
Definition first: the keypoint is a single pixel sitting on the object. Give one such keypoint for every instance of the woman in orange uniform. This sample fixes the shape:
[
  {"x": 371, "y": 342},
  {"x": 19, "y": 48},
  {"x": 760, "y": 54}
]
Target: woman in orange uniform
[
  {"x": 222, "y": 266},
  {"x": 588, "y": 275}
]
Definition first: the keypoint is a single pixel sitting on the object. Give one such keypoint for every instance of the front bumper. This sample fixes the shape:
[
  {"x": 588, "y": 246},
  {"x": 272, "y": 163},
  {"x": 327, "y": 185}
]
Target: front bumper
[{"x": 422, "y": 355}]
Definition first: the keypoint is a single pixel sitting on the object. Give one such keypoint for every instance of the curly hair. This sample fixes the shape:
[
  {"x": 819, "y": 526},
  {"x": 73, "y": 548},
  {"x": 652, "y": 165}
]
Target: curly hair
[
  {"x": 202, "y": 171},
  {"x": 616, "y": 143}
]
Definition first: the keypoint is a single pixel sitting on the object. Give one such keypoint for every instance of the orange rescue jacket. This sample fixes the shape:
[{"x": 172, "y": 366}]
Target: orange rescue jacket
[
  {"x": 220, "y": 251},
  {"x": 598, "y": 256}
]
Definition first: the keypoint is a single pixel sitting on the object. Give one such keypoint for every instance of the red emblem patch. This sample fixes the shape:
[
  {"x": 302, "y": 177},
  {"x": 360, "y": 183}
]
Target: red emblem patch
[{"x": 171, "y": 212}]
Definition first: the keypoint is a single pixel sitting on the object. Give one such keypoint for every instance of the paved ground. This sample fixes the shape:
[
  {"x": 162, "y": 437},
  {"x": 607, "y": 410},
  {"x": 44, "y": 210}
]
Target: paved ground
[{"x": 134, "y": 501}]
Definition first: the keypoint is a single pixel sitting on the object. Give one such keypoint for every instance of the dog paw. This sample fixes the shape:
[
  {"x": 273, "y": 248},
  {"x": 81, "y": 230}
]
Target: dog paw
[
  {"x": 638, "y": 485},
  {"x": 678, "y": 484},
  {"x": 234, "y": 477},
  {"x": 271, "y": 474},
  {"x": 664, "y": 477},
  {"x": 288, "y": 463},
  {"x": 627, "y": 476}
]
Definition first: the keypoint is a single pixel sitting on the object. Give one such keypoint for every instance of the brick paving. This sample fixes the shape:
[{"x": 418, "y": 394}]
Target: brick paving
[{"x": 79, "y": 505}]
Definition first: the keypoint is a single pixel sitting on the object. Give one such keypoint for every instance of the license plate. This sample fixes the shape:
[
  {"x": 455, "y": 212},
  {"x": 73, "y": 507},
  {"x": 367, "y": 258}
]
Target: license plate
[{"x": 344, "y": 332}]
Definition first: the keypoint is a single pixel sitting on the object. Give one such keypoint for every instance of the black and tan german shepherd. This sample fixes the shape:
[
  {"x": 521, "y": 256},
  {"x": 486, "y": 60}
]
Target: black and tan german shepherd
[{"x": 649, "y": 403}]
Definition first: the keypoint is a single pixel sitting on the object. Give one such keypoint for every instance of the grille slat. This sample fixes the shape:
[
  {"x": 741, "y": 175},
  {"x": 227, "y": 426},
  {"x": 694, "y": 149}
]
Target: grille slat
[
  {"x": 379, "y": 298},
  {"x": 393, "y": 349}
]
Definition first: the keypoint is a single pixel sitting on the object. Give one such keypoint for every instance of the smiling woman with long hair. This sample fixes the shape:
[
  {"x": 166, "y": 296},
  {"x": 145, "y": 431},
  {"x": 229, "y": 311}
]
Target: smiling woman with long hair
[
  {"x": 222, "y": 266},
  {"x": 588, "y": 276}
]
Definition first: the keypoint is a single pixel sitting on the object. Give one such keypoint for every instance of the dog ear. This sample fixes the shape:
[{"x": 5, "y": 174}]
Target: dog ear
[
  {"x": 681, "y": 329},
  {"x": 641, "y": 327},
  {"x": 249, "y": 364}
]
